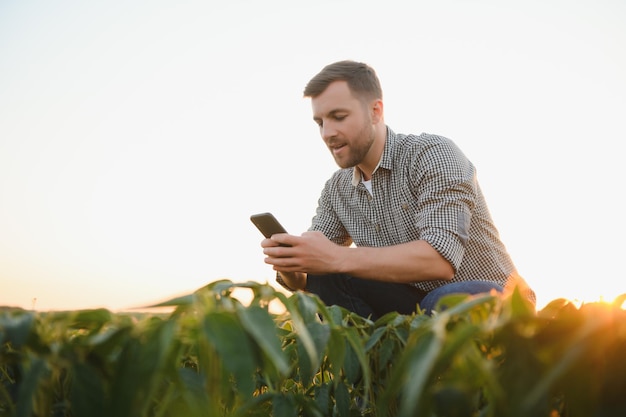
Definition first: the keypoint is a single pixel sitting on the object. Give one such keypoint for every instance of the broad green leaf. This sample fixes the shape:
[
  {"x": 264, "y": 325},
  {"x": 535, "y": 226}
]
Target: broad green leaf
[
  {"x": 359, "y": 350},
  {"x": 306, "y": 306},
  {"x": 459, "y": 339},
  {"x": 452, "y": 401},
  {"x": 306, "y": 367},
  {"x": 87, "y": 391},
  {"x": 220, "y": 287},
  {"x": 374, "y": 338},
  {"x": 386, "y": 351},
  {"x": 129, "y": 381},
  {"x": 389, "y": 319},
  {"x": 16, "y": 328},
  {"x": 401, "y": 334},
  {"x": 89, "y": 319},
  {"x": 233, "y": 345},
  {"x": 337, "y": 351},
  {"x": 193, "y": 396},
  {"x": 308, "y": 407},
  {"x": 554, "y": 307},
  {"x": 28, "y": 387},
  {"x": 521, "y": 306},
  {"x": 342, "y": 400},
  {"x": 577, "y": 349},
  {"x": 321, "y": 335},
  {"x": 183, "y": 300},
  {"x": 312, "y": 335},
  {"x": 106, "y": 345},
  {"x": 142, "y": 364},
  {"x": 262, "y": 328},
  {"x": 255, "y": 406},
  {"x": 420, "y": 364},
  {"x": 335, "y": 314},
  {"x": 298, "y": 310},
  {"x": 351, "y": 365},
  {"x": 483, "y": 370},
  {"x": 322, "y": 398},
  {"x": 468, "y": 303},
  {"x": 451, "y": 300},
  {"x": 415, "y": 366},
  {"x": 284, "y": 406}
]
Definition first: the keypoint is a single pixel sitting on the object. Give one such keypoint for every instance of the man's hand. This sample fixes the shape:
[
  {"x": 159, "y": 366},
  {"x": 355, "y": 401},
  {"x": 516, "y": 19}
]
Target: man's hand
[
  {"x": 310, "y": 253},
  {"x": 293, "y": 257}
]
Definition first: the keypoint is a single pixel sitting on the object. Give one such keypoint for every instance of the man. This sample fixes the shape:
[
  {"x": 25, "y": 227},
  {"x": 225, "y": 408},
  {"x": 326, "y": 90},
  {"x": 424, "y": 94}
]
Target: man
[{"x": 401, "y": 224}]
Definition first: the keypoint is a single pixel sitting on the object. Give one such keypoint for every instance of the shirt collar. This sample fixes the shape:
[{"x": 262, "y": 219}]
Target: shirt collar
[{"x": 386, "y": 161}]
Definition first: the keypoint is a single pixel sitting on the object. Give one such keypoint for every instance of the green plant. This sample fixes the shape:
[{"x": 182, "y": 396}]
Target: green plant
[{"x": 213, "y": 356}]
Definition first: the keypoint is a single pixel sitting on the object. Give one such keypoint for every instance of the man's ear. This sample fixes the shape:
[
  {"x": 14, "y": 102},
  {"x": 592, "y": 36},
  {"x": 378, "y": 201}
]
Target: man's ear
[{"x": 377, "y": 111}]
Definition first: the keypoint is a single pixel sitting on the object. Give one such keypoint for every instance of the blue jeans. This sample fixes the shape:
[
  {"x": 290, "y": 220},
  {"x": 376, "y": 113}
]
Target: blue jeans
[{"x": 374, "y": 299}]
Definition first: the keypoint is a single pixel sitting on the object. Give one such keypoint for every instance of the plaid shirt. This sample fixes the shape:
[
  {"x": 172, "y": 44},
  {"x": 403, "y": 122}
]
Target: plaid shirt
[{"x": 424, "y": 188}]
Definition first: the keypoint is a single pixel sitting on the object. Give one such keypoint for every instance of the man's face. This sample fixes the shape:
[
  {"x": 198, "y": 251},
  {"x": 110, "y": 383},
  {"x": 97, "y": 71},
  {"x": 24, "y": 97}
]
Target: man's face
[{"x": 345, "y": 124}]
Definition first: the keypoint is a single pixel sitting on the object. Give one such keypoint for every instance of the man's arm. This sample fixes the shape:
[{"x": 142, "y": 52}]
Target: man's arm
[
  {"x": 405, "y": 263},
  {"x": 314, "y": 253}
]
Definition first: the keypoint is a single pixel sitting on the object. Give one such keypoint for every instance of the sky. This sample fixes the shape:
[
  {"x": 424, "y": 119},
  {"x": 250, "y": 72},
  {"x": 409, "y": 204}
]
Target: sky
[{"x": 136, "y": 138}]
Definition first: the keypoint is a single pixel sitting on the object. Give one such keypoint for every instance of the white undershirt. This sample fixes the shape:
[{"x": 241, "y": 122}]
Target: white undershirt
[{"x": 368, "y": 185}]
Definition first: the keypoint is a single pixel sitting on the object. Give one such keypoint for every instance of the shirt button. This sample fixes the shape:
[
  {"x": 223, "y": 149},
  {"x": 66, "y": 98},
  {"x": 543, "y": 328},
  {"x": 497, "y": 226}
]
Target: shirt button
[
  {"x": 378, "y": 228},
  {"x": 369, "y": 197},
  {"x": 405, "y": 206}
]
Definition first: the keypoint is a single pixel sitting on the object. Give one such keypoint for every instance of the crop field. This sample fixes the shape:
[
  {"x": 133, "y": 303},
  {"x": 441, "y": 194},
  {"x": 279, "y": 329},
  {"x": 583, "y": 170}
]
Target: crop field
[{"x": 210, "y": 355}]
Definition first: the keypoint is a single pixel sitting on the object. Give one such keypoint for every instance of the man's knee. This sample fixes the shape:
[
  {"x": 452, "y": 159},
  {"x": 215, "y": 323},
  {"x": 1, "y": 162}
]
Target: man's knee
[{"x": 430, "y": 301}]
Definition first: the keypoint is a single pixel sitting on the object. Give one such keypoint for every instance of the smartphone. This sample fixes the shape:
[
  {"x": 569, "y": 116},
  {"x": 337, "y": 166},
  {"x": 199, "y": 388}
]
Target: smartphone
[{"x": 267, "y": 224}]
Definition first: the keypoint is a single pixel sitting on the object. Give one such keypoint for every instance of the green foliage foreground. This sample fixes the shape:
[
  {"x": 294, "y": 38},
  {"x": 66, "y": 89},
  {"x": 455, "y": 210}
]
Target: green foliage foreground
[{"x": 213, "y": 356}]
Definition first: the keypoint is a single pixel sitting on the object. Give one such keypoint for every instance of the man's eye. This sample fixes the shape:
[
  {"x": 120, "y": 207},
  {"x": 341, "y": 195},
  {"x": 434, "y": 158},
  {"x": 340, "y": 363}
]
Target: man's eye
[{"x": 339, "y": 118}]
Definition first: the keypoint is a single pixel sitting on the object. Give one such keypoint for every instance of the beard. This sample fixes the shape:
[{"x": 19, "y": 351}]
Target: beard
[{"x": 358, "y": 148}]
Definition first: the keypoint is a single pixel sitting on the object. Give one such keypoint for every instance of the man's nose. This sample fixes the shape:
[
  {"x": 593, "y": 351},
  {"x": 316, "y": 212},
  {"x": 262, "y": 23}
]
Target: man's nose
[{"x": 328, "y": 131}]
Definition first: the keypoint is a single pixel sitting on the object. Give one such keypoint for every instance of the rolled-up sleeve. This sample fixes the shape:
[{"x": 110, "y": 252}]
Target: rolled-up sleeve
[{"x": 446, "y": 190}]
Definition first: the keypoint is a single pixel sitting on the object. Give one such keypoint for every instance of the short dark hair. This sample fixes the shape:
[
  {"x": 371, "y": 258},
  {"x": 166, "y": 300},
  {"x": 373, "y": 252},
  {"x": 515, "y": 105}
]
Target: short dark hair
[{"x": 361, "y": 79}]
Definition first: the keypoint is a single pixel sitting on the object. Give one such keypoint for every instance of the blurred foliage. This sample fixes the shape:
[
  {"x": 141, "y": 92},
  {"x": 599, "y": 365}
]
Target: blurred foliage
[{"x": 213, "y": 356}]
